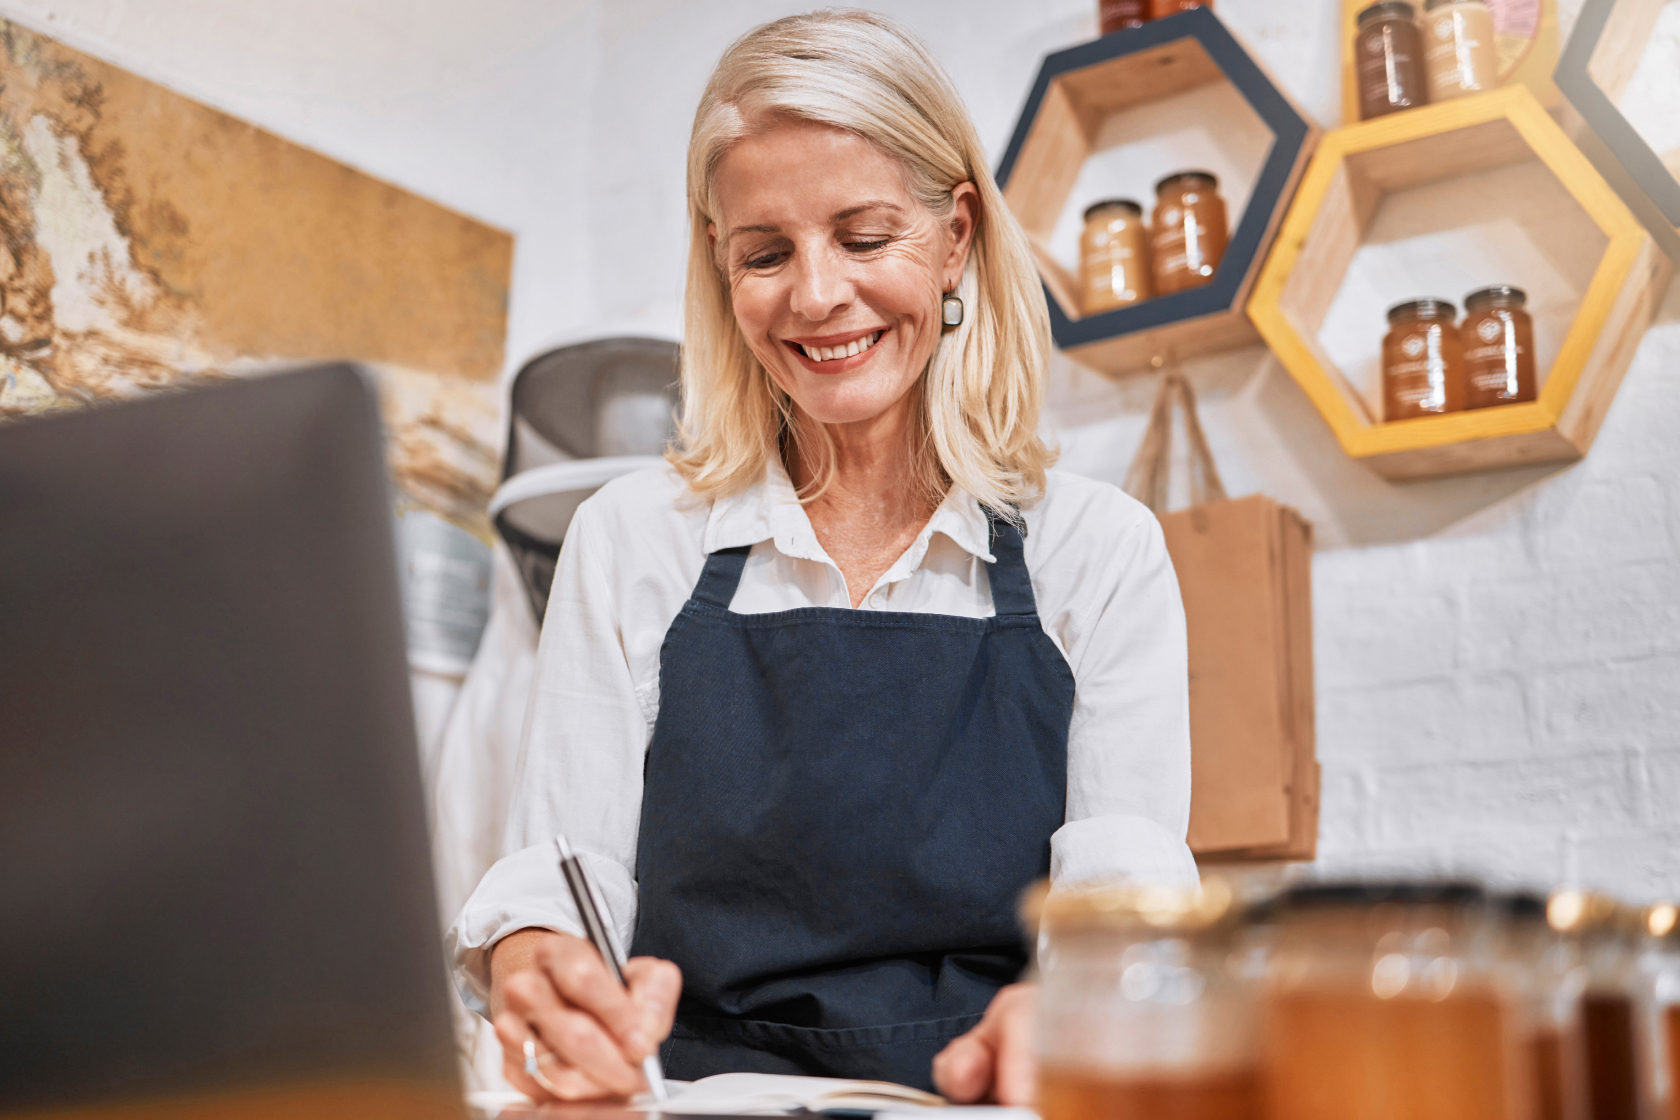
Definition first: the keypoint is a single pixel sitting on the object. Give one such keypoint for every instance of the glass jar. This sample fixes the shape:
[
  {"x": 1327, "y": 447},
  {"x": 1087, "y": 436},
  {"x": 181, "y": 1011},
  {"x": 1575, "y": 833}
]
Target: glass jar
[
  {"x": 1544, "y": 977},
  {"x": 1144, "y": 1008},
  {"x": 1497, "y": 337},
  {"x": 1116, "y": 15},
  {"x": 1422, "y": 361},
  {"x": 1460, "y": 51},
  {"x": 1662, "y": 922},
  {"x": 1384, "y": 1002},
  {"x": 1607, "y": 936},
  {"x": 1188, "y": 231},
  {"x": 1160, "y": 9},
  {"x": 1113, "y": 256},
  {"x": 1388, "y": 60}
]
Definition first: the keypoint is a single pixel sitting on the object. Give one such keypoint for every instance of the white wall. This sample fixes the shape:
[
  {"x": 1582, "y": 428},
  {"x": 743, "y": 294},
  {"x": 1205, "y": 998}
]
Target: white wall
[
  {"x": 485, "y": 109},
  {"x": 1498, "y": 656}
]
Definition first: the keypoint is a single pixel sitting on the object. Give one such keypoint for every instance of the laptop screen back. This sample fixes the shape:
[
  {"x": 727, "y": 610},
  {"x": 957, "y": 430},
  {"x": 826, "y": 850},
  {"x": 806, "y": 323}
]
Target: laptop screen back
[{"x": 214, "y": 866}]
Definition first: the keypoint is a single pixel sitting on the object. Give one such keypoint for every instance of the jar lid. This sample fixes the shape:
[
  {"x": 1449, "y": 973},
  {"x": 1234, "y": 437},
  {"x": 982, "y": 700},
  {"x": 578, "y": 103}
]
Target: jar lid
[
  {"x": 1521, "y": 906},
  {"x": 1112, "y": 204},
  {"x": 1573, "y": 911},
  {"x": 1129, "y": 906},
  {"x": 1428, "y": 305},
  {"x": 1207, "y": 177},
  {"x": 1388, "y": 9},
  {"x": 1484, "y": 296},
  {"x": 1401, "y": 892},
  {"x": 1431, "y": 5},
  {"x": 1662, "y": 920}
]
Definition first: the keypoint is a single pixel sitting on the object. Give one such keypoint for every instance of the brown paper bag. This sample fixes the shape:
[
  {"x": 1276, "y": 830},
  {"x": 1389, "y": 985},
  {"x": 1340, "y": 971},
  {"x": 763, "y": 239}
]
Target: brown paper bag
[{"x": 1245, "y": 571}]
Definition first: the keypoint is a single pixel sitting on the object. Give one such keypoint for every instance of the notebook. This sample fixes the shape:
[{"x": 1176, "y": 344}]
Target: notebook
[
  {"x": 765, "y": 1094},
  {"x": 762, "y": 1094}
]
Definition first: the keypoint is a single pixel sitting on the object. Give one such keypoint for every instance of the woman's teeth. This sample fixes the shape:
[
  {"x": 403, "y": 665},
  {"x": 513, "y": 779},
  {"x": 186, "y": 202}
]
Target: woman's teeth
[{"x": 831, "y": 353}]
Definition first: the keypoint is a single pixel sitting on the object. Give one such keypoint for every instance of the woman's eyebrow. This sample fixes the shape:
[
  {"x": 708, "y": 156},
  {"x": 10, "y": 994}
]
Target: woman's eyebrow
[
  {"x": 872, "y": 204},
  {"x": 837, "y": 216}
]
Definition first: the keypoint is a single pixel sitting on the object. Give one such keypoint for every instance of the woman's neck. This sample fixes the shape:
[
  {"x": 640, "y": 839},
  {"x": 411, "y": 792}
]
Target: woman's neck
[{"x": 873, "y": 506}]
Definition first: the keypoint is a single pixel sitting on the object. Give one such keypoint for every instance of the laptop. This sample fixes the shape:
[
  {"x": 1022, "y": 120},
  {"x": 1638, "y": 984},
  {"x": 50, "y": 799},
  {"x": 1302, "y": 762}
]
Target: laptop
[{"x": 216, "y": 892}]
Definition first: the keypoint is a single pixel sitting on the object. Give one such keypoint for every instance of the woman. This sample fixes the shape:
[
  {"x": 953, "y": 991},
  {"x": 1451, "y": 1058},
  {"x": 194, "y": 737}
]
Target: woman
[{"x": 820, "y": 698}]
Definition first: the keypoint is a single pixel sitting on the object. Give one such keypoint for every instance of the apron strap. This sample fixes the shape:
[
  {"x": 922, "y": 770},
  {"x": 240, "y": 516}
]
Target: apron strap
[
  {"x": 1012, "y": 591},
  {"x": 721, "y": 576}
]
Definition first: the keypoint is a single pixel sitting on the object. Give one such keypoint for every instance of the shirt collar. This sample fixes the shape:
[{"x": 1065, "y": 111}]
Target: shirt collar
[{"x": 770, "y": 510}]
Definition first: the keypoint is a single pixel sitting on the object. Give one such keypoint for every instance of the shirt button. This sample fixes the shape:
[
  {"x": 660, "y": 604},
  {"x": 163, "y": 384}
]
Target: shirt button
[{"x": 877, "y": 598}]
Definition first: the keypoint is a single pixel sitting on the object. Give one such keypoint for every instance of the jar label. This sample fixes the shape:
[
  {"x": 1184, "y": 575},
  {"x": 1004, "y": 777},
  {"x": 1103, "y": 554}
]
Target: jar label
[{"x": 1498, "y": 380}]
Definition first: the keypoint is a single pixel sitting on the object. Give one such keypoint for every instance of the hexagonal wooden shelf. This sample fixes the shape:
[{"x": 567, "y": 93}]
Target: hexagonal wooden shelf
[
  {"x": 1602, "y": 72},
  {"x": 1438, "y": 201},
  {"x": 1111, "y": 116}
]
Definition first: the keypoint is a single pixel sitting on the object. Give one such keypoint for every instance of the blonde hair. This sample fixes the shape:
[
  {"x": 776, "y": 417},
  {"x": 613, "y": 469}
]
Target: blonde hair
[{"x": 978, "y": 401}]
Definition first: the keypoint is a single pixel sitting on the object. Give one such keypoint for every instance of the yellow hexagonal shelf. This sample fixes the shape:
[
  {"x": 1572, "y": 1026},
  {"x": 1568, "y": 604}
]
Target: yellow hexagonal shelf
[{"x": 1439, "y": 201}]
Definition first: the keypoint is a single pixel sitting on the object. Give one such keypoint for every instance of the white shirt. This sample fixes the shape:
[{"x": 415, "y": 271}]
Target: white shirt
[{"x": 1107, "y": 598}]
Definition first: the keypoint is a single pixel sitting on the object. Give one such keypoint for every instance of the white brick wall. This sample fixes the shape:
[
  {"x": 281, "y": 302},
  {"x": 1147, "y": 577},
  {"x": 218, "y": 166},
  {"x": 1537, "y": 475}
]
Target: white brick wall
[
  {"x": 1507, "y": 701},
  {"x": 1498, "y": 656}
]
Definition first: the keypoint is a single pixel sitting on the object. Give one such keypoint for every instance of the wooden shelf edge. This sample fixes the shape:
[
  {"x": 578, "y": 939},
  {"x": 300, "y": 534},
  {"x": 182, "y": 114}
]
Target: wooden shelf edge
[
  {"x": 1505, "y": 452},
  {"x": 1565, "y": 160},
  {"x": 1609, "y": 288},
  {"x": 1429, "y": 120}
]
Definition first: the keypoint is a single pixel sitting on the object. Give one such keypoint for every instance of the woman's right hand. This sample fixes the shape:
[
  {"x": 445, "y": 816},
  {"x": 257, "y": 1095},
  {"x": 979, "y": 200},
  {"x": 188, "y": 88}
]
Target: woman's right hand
[{"x": 591, "y": 1034}]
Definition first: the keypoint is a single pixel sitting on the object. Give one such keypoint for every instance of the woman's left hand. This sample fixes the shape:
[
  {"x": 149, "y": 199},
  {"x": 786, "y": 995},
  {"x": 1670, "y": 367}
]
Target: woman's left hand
[{"x": 994, "y": 1061}]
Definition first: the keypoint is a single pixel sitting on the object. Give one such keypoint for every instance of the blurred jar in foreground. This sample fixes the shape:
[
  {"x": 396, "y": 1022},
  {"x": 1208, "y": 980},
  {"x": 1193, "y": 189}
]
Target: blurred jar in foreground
[
  {"x": 1144, "y": 1009},
  {"x": 1544, "y": 977},
  {"x": 1608, "y": 937},
  {"x": 1663, "y": 924},
  {"x": 1384, "y": 1004}
]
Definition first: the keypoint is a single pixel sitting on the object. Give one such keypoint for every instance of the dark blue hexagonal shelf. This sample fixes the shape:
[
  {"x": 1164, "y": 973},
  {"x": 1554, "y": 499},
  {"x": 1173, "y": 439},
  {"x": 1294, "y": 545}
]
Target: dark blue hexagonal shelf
[{"x": 1110, "y": 117}]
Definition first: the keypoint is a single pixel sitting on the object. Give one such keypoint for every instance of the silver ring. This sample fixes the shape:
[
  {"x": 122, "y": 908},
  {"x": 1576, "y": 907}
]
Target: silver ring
[{"x": 533, "y": 1066}]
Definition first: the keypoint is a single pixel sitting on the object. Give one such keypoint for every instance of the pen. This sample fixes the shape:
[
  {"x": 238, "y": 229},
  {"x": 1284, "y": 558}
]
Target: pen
[{"x": 597, "y": 924}]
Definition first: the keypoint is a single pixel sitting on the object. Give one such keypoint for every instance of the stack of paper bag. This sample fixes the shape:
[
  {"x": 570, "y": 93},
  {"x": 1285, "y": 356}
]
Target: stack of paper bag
[{"x": 1245, "y": 571}]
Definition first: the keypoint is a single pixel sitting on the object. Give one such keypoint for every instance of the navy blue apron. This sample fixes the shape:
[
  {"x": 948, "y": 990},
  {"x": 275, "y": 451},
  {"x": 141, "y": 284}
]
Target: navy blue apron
[{"x": 841, "y": 810}]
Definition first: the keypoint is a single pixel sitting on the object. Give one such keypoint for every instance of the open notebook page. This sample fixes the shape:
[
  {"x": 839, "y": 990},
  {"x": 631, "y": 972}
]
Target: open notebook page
[{"x": 773, "y": 1094}]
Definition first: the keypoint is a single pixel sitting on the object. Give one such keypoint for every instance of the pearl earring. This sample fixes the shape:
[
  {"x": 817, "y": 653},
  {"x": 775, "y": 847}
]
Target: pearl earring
[{"x": 951, "y": 311}]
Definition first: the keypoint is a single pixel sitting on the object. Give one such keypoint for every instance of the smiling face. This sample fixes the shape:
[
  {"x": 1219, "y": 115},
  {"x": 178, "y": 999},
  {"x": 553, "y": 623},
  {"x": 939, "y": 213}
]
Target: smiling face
[{"x": 834, "y": 268}]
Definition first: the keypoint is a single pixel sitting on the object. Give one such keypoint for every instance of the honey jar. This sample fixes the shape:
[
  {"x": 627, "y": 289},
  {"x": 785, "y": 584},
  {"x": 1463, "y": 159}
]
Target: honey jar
[
  {"x": 1140, "y": 1016},
  {"x": 1388, "y": 60},
  {"x": 1113, "y": 256},
  {"x": 1497, "y": 337},
  {"x": 1460, "y": 52},
  {"x": 1608, "y": 938},
  {"x": 1385, "y": 1000},
  {"x": 1116, "y": 15},
  {"x": 1662, "y": 923},
  {"x": 1542, "y": 976},
  {"x": 1188, "y": 231},
  {"x": 1422, "y": 361}
]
